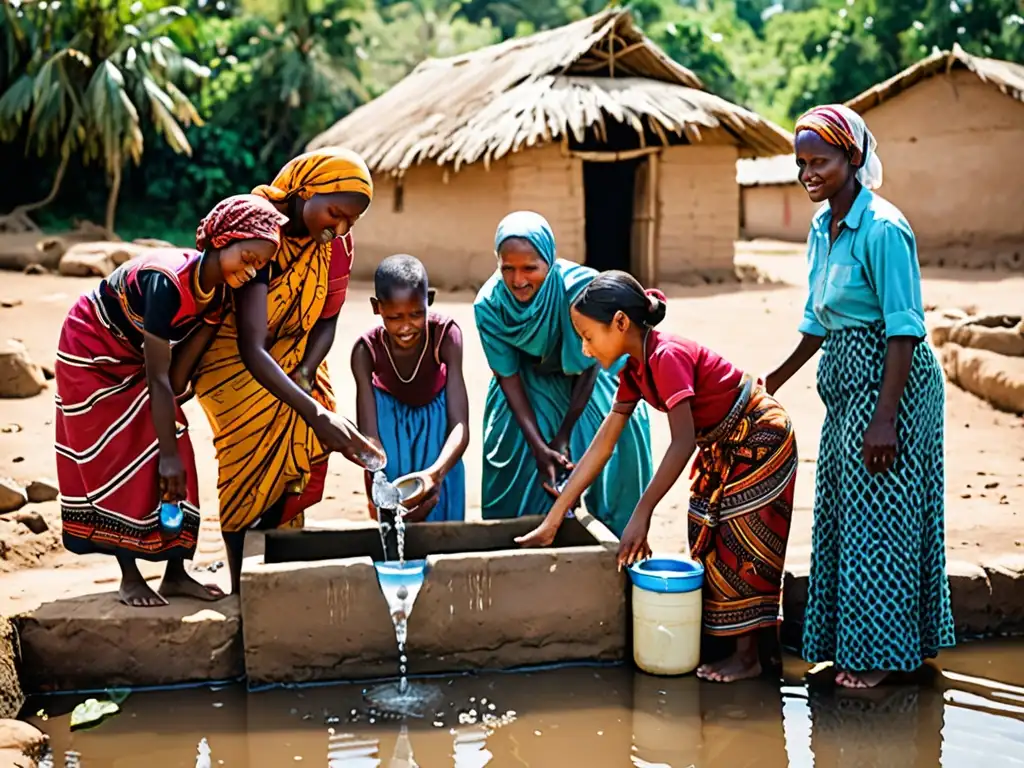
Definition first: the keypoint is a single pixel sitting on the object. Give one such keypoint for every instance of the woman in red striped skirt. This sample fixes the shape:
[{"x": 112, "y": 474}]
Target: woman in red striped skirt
[{"x": 125, "y": 356}]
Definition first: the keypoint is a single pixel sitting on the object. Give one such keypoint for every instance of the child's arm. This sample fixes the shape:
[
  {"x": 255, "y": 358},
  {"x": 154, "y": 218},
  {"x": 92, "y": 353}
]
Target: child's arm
[
  {"x": 633, "y": 545},
  {"x": 366, "y": 405},
  {"x": 589, "y": 467},
  {"x": 458, "y": 409},
  {"x": 457, "y": 403}
]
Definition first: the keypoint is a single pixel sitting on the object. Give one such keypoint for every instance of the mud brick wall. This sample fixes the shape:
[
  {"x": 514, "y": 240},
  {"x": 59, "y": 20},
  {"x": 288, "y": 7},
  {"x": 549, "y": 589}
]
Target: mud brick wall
[
  {"x": 545, "y": 181},
  {"x": 699, "y": 202},
  {"x": 446, "y": 219},
  {"x": 959, "y": 179}
]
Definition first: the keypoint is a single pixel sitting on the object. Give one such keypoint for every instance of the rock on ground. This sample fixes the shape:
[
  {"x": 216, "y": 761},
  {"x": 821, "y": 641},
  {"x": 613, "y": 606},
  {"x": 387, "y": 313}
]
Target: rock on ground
[
  {"x": 41, "y": 490},
  {"x": 11, "y": 697},
  {"x": 12, "y": 495},
  {"x": 998, "y": 379},
  {"x": 19, "y": 376},
  {"x": 30, "y": 537},
  {"x": 99, "y": 259}
]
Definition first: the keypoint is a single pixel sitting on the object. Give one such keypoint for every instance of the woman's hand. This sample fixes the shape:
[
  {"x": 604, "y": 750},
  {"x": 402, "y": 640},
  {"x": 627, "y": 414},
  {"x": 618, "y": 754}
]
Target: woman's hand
[
  {"x": 633, "y": 545},
  {"x": 337, "y": 435},
  {"x": 550, "y": 464},
  {"x": 173, "y": 480},
  {"x": 880, "y": 445},
  {"x": 541, "y": 536}
]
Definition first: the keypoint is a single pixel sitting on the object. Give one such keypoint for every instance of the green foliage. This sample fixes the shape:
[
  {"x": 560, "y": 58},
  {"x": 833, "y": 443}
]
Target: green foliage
[{"x": 206, "y": 100}]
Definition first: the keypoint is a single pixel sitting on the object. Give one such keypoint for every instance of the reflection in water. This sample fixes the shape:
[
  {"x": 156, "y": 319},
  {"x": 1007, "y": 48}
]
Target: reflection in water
[
  {"x": 346, "y": 750},
  {"x": 588, "y": 717},
  {"x": 886, "y": 726}
]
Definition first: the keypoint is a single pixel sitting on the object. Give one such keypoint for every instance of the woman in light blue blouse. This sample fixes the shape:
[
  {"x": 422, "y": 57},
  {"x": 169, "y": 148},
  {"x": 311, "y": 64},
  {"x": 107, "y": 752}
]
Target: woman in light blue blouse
[{"x": 878, "y": 597}]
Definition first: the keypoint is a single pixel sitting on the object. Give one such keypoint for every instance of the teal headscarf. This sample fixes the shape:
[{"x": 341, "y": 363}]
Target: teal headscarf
[{"x": 542, "y": 327}]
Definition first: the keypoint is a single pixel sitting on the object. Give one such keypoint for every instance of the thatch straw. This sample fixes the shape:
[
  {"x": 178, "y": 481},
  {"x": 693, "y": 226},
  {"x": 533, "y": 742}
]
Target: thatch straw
[
  {"x": 1004, "y": 75},
  {"x": 528, "y": 91}
]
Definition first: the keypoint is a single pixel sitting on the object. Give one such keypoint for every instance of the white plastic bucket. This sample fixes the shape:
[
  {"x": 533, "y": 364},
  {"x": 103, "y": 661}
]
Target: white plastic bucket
[{"x": 667, "y": 614}]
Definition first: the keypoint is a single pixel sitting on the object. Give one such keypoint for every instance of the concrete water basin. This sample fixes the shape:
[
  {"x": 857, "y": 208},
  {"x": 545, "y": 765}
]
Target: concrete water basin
[{"x": 312, "y": 608}]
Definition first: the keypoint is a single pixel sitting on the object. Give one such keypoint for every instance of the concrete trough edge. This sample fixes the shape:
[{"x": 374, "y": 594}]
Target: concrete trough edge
[{"x": 988, "y": 601}]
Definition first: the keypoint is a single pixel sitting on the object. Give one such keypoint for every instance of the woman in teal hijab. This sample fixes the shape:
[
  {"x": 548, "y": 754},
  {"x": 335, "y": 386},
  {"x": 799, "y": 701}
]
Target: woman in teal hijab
[{"x": 547, "y": 399}]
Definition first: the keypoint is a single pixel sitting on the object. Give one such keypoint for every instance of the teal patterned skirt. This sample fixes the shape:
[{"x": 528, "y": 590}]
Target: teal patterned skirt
[{"x": 878, "y": 596}]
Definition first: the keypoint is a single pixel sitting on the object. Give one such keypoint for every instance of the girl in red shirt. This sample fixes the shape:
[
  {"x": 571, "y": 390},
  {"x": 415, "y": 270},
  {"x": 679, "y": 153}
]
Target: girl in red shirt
[{"x": 743, "y": 477}]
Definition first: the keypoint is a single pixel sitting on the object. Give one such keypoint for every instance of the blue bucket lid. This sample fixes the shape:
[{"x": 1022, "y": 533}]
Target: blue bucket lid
[{"x": 667, "y": 574}]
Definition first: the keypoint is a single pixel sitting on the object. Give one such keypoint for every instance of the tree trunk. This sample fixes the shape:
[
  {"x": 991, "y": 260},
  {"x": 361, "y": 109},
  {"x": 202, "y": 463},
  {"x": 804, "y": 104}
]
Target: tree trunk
[
  {"x": 18, "y": 220},
  {"x": 115, "y": 190}
]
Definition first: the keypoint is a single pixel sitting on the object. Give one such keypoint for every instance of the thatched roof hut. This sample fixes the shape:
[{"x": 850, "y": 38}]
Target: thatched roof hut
[
  {"x": 592, "y": 124},
  {"x": 950, "y": 130}
]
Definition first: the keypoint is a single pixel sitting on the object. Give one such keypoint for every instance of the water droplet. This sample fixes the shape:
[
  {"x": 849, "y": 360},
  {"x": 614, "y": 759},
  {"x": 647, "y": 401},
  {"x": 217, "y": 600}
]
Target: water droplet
[
  {"x": 600, "y": 733},
  {"x": 536, "y": 733}
]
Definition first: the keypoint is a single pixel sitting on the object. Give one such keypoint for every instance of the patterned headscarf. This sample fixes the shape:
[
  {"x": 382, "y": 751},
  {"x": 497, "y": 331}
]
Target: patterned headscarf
[
  {"x": 322, "y": 172},
  {"x": 844, "y": 128},
  {"x": 241, "y": 217}
]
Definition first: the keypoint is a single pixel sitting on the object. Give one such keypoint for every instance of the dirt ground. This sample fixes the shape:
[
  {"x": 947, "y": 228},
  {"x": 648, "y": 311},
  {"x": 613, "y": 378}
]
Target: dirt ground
[{"x": 753, "y": 325}]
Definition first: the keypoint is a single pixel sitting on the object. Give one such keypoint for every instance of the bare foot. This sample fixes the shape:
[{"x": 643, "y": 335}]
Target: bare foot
[
  {"x": 861, "y": 679},
  {"x": 138, "y": 594},
  {"x": 177, "y": 583},
  {"x": 739, "y": 666}
]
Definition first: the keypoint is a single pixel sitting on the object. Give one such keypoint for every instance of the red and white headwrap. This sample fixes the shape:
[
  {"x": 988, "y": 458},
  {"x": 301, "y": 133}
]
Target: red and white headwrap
[
  {"x": 840, "y": 126},
  {"x": 240, "y": 217}
]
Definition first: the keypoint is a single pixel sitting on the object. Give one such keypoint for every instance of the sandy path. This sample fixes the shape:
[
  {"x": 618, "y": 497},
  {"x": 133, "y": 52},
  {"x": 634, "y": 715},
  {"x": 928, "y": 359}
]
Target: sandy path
[{"x": 754, "y": 327}]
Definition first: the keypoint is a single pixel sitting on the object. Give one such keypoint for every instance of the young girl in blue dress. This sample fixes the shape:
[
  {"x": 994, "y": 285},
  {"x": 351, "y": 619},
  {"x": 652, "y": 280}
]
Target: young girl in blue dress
[{"x": 410, "y": 393}]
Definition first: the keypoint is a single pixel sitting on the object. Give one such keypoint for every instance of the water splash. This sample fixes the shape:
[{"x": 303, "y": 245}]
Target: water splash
[
  {"x": 400, "y": 583},
  {"x": 203, "y": 754}
]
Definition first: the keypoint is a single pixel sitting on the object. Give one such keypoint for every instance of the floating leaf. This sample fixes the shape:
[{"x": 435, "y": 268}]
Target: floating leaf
[{"x": 92, "y": 712}]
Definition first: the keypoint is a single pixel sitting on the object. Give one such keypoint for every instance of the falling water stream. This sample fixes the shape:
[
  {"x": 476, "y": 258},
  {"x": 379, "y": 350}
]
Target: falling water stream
[{"x": 400, "y": 582}]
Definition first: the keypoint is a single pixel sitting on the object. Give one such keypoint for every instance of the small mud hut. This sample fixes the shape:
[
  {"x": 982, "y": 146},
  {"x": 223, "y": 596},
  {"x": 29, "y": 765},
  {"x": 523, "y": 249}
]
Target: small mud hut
[
  {"x": 773, "y": 204},
  {"x": 590, "y": 124},
  {"x": 950, "y": 133}
]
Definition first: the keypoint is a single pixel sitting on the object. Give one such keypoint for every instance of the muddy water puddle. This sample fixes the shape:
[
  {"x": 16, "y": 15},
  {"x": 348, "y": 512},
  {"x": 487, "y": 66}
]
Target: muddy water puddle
[{"x": 972, "y": 713}]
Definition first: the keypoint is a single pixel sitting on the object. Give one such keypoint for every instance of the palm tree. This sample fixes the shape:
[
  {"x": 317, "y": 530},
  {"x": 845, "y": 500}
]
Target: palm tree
[
  {"x": 301, "y": 69},
  {"x": 90, "y": 75}
]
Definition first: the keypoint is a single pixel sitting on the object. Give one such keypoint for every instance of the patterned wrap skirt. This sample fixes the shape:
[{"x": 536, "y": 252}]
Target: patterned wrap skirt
[
  {"x": 107, "y": 453},
  {"x": 741, "y": 504},
  {"x": 878, "y": 596}
]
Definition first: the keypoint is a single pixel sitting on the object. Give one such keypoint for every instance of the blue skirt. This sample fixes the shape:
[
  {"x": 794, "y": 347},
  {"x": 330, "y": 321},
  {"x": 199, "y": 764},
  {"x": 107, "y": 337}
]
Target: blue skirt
[{"x": 412, "y": 439}]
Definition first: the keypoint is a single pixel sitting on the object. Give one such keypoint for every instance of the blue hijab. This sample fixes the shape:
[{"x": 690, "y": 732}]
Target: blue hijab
[{"x": 539, "y": 327}]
